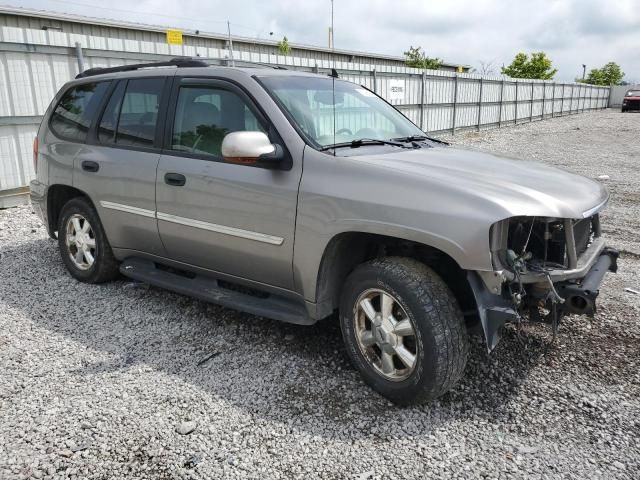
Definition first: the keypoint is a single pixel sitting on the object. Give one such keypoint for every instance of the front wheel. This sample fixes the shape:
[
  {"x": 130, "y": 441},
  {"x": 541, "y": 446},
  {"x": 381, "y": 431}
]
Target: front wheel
[
  {"x": 83, "y": 244},
  {"x": 403, "y": 329}
]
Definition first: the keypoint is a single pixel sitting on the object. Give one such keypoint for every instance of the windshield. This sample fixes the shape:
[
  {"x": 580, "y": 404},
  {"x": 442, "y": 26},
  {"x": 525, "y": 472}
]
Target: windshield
[
  {"x": 633, "y": 93},
  {"x": 359, "y": 113}
]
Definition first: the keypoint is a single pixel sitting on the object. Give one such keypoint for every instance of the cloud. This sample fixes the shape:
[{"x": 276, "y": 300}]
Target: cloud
[{"x": 572, "y": 32}]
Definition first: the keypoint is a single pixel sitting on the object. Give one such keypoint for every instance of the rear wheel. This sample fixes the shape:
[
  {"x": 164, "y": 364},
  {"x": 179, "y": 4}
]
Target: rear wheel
[
  {"x": 83, "y": 245},
  {"x": 403, "y": 329}
]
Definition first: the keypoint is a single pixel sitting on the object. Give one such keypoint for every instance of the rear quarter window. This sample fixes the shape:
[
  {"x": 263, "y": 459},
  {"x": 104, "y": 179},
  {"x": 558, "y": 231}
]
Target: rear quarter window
[{"x": 76, "y": 109}]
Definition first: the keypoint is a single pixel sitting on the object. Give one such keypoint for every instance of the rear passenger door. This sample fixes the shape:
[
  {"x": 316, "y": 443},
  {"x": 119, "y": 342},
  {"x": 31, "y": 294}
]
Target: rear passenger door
[
  {"x": 235, "y": 219},
  {"x": 118, "y": 167}
]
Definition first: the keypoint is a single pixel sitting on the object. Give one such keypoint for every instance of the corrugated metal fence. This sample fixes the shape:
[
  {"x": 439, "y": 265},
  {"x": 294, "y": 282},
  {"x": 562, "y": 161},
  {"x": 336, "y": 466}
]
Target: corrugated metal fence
[{"x": 34, "y": 64}]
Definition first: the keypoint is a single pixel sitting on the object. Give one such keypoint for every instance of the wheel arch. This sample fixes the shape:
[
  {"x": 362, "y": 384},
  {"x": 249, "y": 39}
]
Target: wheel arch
[
  {"x": 57, "y": 196},
  {"x": 345, "y": 251}
]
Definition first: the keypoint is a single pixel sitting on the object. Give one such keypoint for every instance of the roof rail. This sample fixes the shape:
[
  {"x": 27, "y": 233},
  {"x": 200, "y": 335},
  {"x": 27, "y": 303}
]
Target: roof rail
[
  {"x": 180, "y": 62},
  {"x": 225, "y": 62}
]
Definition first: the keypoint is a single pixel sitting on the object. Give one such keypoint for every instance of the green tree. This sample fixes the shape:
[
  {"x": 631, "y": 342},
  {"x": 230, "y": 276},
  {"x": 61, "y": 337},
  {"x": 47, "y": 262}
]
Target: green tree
[
  {"x": 416, "y": 58},
  {"x": 538, "y": 66},
  {"x": 610, "y": 74},
  {"x": 283, "y": 46}
]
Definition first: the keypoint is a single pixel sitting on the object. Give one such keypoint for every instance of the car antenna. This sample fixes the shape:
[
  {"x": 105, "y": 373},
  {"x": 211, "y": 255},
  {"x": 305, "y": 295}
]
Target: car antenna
[{"x": 334, "y": 75}]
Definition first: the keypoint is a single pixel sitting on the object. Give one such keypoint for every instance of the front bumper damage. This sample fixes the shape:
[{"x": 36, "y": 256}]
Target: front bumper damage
[
  {"x": 580, "y": 297},
  {"x": 576, "y": 290}
]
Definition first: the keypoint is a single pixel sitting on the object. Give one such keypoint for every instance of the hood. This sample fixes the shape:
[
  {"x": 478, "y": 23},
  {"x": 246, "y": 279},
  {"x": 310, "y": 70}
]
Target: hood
[{"x": 516, "y": 187}]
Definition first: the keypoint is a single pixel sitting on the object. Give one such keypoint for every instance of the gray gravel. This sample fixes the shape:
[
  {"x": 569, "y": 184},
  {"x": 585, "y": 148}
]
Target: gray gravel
[{"x": 123, "y": 381}]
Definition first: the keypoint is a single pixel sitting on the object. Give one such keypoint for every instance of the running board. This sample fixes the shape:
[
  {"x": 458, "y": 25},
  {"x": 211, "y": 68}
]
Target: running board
[{"x": 210, "y": 290}]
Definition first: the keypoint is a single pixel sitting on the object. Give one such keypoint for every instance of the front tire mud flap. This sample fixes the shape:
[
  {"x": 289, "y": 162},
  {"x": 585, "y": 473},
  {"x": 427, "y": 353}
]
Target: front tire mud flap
[{"x": 494, "y": 310}]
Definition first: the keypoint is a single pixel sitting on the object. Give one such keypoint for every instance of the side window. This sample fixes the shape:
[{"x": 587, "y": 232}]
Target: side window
[
  {"x": 72, "y": 116},
  {"x": 204, "y": 115},
  {"x": 109, "y": 120},
  {"x": 131, "y": 115}
]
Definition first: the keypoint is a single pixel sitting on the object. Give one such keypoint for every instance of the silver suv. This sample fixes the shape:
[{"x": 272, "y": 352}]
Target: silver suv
[{"x": 294, "y": 196}]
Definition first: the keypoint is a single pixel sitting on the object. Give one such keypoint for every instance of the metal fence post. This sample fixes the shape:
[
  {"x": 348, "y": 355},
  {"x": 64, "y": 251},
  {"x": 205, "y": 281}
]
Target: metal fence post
[
  {"x": 422, "y": 100},
  {"x": 455, "y": 101},
  {"x": 544, "y": 97},
  {"x": 589, "y": 97},
  {"x": 585, "y": 100},
  {"x": 375, "y": 83},
  {"x": 79, "y": 57},
  {"x": 515, "y": 110},
  {"x": 500, "y": 106},
  {"x": 579, "y": 98},
  {"x": 531, "y": 106},
  {"x": 584, "y": 106},
  {"x": 571, "y": 102},
  {"x": 562, "y": 103},
  {"x": 553, "y": 100},
  {"x": 480, "y": 103}
]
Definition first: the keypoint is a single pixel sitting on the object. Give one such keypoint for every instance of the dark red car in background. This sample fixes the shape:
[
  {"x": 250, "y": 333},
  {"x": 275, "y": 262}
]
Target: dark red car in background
[{"x": 631, "y": 100}]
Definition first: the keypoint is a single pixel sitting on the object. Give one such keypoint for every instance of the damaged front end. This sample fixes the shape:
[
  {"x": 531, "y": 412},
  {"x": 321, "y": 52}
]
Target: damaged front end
[{"x": 544, "y": 268}]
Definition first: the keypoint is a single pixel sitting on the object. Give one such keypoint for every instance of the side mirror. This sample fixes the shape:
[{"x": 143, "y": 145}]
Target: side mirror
[{"x": 251, "y": 148}]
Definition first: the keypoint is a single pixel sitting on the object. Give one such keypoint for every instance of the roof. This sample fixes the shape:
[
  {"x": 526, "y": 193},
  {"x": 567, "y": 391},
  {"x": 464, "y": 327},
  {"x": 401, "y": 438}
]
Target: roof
[{"x": 66, "y": 17}]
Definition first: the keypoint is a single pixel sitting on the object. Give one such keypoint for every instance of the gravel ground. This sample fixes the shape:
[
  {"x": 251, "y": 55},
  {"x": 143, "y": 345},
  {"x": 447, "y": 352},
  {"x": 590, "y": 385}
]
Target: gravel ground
[{"x": 106, "y": 381}]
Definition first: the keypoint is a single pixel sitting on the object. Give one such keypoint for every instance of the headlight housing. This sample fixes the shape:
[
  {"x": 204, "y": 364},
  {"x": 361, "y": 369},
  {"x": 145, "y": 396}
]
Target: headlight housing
[{"x": 541, "y": 241}]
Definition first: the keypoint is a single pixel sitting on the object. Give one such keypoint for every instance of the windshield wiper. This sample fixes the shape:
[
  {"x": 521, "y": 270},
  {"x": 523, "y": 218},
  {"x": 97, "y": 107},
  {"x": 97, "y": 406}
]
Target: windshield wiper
[
  {"x": 362, "y": 141},
  {"x": 418, "y": 138}
]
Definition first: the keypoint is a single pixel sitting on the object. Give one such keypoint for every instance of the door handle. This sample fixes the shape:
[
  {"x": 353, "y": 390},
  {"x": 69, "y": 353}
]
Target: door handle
[
  {"x": 89, "y": 166},
  {"x": 174, "y": 179}
]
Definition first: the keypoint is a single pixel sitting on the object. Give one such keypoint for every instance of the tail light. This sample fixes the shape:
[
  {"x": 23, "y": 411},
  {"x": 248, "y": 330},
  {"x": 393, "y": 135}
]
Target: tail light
[{"x": 35, "y": 154}]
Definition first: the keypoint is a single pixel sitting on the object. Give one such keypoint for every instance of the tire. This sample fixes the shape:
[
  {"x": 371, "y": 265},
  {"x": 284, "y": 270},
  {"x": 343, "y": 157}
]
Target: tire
[
  {"x": 439, "y": 344},
  {"x": 104, "y": 266}
]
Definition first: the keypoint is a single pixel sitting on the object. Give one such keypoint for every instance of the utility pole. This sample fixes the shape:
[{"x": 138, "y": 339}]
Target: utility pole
[
  {"x": 584, "y": 70},
  {"x": 233, "y": 63},
  {"x": 331, "y": 45}
]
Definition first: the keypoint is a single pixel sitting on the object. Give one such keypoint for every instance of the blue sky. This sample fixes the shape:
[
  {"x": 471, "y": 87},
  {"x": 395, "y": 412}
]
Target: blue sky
[{"x": 572, "y": 32}]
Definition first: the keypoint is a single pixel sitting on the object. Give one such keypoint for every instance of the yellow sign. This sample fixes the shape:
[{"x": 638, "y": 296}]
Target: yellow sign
[
  {"x": 174, "y": 37},
  {"x": 460, "y": 68}
]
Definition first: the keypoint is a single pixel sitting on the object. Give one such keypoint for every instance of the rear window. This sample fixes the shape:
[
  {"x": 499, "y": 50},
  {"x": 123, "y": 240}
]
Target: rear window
[
  {"x": 72, "y": 116},
  {"x": 131, "y": 115}
]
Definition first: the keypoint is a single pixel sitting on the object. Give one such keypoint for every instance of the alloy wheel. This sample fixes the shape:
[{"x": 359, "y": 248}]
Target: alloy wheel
[
  {"x": 81, "y": 242},
  {"x": 385, "y": 334}
]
